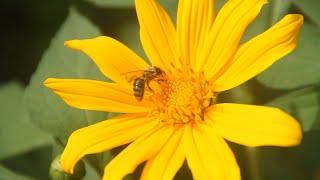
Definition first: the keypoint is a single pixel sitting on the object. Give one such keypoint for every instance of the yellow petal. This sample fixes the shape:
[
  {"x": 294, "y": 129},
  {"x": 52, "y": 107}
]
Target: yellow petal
[
  {"x": 227, "y": 30},
  {"x": 96, "y": 95},
  {"x": 112, "y": 57},
  {"x": 254, "y": 125},
  {"x": 144, "y": 148},
  {"x": 105, "y": 135},
  {"x": 169, "y": 160},
  {"x": 194, "y": 21},
  {"x": 157, "y": 34},
  {"x": 208, "y": 155},
  {"x": 261, "y": 52}
]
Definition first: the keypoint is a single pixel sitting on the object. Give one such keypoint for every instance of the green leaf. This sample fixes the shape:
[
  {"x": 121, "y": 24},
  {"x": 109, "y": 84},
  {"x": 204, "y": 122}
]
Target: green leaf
[
  {"x": 17, "y": 134},
  {"x": 303, "y": 104},
  {"x": 279, "y": 9},
  {"x": 128, "y": 33},
  {"x": 34, "y": 164},
  {"x": 259, "y": 25},
  {"x": 310, "y": 8},
  {"x": 57, "y": 173},
  {"x": 46, "y": 109},
  {"x": 171, "y": 6},
  {"x": 240, "y": 94},
  {"x": 91, "y": 173},
  {"x": 113, "y": 3},
  {"x": 99, "y": 161},
  {"x": 8, "y": 174},
  {"x": 168, "y": 4},
  {"x": 301, "y": 67}
]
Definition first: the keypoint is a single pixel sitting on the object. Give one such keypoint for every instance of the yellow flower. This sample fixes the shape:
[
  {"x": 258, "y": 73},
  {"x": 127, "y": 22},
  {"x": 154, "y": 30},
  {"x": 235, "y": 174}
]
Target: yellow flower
[{"x": 178, "y": 119}]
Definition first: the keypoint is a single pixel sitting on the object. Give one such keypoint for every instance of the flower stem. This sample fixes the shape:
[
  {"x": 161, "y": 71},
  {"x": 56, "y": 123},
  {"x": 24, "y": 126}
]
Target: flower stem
[{"x": 253, "y": 163}]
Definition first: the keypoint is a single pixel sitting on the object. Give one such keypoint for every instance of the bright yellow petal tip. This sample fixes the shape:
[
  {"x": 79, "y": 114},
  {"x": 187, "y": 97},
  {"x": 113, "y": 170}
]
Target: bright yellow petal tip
[
  {"x": 47, "y": 82},
  {"x": 105, "y": 135},
  {"x": 254, "y": 125},
  {"x": 260, "y": 52},
  {"x": 73, "y": 44}
]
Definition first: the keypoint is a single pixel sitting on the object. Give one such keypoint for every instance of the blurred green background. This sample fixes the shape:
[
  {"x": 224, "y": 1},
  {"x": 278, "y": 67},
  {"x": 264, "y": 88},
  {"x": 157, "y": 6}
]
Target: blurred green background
[{"x": 35, "y": 124}]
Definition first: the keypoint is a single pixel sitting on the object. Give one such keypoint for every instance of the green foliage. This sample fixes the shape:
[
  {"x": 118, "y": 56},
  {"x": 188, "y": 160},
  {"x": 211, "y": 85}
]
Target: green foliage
[
  {"x": 298, "y": 71},
  {"x": 300, "y": 68},
  {"x": 57, "y": 173},
  {"x": 169, "y": 5},
  {"x": 47, "y": 110},
  {"x": 279, "y": 9},
  {"x": 8, "y": 174},
  {"x": 91, "y": 173},
  {"x": 241, "y": 94},
  {"x": 17, "y": 134},
  {"x": 113, "y": 3},
  {"x": 33, "y": 164},
  {"x": 303, "y": 104},
  {"x": 310, "y": 8}
]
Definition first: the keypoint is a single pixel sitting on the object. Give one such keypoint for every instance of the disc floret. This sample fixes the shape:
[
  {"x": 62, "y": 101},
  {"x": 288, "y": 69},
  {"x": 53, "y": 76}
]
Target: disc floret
[{"x": 182, "y": 100}]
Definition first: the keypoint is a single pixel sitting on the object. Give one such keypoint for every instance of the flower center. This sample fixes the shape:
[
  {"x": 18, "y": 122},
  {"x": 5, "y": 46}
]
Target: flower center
[{"x": 182, "y": 100}]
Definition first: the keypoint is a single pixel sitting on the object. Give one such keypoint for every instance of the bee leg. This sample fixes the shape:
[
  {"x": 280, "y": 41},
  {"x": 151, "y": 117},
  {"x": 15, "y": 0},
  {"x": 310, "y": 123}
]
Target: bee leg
[
  {"x": 160, "y": 80},
  {"x": 148, "y": 85}
]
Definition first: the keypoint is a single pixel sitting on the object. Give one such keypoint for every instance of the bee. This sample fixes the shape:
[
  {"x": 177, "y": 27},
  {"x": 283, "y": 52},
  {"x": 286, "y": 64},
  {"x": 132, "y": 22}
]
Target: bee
[{"x": 141, "y": 81}]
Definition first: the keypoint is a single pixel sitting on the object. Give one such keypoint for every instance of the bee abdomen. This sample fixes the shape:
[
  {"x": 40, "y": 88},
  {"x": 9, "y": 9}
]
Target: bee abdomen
[{"x": 138, "y": 88}]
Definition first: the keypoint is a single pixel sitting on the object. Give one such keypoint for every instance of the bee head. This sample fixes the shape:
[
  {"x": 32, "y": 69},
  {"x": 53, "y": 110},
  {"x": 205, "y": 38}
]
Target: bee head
[{"x": 157, "y": 70}]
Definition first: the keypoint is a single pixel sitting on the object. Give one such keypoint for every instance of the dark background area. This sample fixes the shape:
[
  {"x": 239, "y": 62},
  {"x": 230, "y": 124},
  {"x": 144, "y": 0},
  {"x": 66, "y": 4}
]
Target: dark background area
[{"x": 26, "y": 30}]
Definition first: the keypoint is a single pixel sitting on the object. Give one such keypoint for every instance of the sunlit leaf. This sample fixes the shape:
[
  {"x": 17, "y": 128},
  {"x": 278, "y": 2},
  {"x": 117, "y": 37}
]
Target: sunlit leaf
[
  {"x": 301, "y": 67},
  {"x": 46, "y": 109},
  {"x": 17, "y": 134},
  {"x": 303, "y": 104}
]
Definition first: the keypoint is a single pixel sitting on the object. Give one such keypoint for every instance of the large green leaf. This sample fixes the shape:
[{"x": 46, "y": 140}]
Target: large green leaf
[
  {"x": 8, "y": 174},
  {"x": 303, "y": 104},
  {"x": 34, "y": 164},
  {"x": 300, "y": 68},
  {"x": 310, "y": 8},
  {"x": 128, "y": 33},
  {"x": 17, "y": 134},
  {"x": 171, "y": 6},
  {"x": 128, "y": 3},
  {"x": 46, "y": 109},
  {"x": 113, "y": 3},
  {"x": 259, "y": 25},
  {"x": 91, "y": 173},
  {"x": 279, "y": 9},
  {"x": 241, "y": 94}
]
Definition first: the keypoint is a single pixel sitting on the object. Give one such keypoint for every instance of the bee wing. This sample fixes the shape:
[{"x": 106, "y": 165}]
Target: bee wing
[{"x": 130, "y": 76}]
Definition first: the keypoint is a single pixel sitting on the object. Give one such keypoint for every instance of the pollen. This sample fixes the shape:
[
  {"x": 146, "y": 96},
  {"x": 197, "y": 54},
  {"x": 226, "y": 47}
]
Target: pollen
[{"x": 182, "y": 100}]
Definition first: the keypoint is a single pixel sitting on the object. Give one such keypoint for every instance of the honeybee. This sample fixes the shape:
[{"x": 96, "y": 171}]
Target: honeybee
[{"x": 143, "y": 79}]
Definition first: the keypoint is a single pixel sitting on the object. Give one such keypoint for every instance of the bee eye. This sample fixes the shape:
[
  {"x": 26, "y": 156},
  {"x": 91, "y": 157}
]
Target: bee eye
[{"x": 157, "y": 70}]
